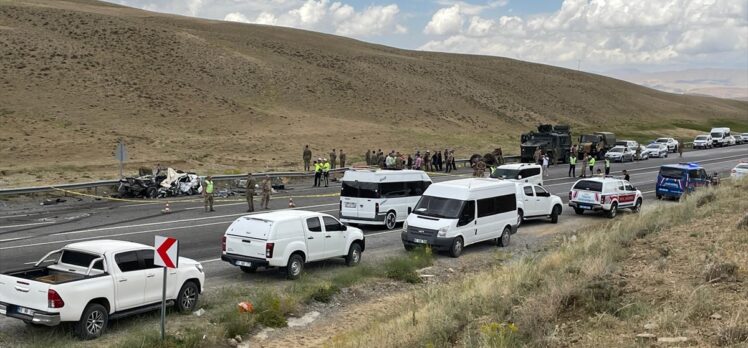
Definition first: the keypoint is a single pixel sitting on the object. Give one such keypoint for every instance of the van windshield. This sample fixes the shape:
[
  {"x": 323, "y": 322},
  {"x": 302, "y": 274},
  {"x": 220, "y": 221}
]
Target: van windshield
[
  {"x": 673, "y": 173},
  {"x": 439, "y": 207},
  {"x": 716, "y": 135},
  {"x": 358, "y": 189},
  {"x": 505, "y": 173}
]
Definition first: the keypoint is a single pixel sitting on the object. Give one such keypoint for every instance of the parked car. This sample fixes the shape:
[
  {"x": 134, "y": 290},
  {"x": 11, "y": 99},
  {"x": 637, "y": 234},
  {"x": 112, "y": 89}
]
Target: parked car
[
  {"x": 89, "y": 283},
  {"x": 643, "y": 153},
  {"x": 672, "y": 144},
  {"x": 606, "y": 194},
  {"x": 740, "y": 171},
  {"x": 718, "y": 136},
  {"x": 288, "y": 239},
  {"x": 630, "y": 144},
  {"x": 744, "y": 137},
  {"x": 703, "y": 141},
  {"x": 658, "y": 150},
  {"x": 381, "y": 197},
  {"x": 458, "y": 213},
  {"x": 534, "y": 201},
  {"x": 520, "y": 172},
  {"x": 620, "y": 154}
]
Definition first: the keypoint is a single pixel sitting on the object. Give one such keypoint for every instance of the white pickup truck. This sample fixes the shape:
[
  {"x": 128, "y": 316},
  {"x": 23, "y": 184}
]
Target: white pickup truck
[{"x": 91, "y": 282}]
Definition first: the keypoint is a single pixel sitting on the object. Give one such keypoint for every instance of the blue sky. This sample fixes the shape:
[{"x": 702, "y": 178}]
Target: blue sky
[{"x": 599, "y": 35}]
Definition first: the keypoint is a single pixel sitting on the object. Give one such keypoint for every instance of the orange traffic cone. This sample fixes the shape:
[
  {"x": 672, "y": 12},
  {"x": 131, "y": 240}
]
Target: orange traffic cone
[
  {"x": 166, "y": 209},
  {"x": 291, "y": 203}
]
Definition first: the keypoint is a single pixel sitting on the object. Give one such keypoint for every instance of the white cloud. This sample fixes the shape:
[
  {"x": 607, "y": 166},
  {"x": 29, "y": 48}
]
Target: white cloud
[
  {"x": 445, "y": 21},
  {"x": 236, "y": 17},
  {"x": 374, "y": 20},
  {"x": 602, "y": 33}
]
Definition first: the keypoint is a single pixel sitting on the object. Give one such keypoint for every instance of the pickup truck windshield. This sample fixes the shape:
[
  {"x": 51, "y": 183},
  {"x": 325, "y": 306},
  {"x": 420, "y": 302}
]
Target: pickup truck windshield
[
  {"x": 358, "y": 189},
  {"x": 589, "y": 185},
  {"x": 673, "y": 173},
  {"x": 505, "y": 173},
  {"x": 439, "y": 207},
  {"x": 77, "y": 258}
]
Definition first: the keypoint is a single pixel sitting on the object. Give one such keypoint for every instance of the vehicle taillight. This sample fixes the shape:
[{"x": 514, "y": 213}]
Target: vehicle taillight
[
  {"x": 269, "y": 250},
  {"x": 223, "y": 244},
  {"x": 54, "y": 299},
  {"x": 376, "y": 208},
  {"x": 571, "y": 195}
]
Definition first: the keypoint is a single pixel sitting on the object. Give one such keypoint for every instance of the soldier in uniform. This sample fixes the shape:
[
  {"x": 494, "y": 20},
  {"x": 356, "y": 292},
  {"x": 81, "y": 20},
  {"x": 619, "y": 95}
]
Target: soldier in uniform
[
  {"x": 251, "y": 183},
  {"x": 333, "y": 157},
  {"x": 480, "y": 168},
  {"x": 427, "y": 161},
  {"x": 342, "y": 158},
  {"x": 307, "y": 156},
  {"x": 638, "y": 153},
  {"x": 680, "y": 149},
  {"x": 266, "y": 189},
  {"x": 368, "y": 157},
  {"x": 536, "y": 155}
]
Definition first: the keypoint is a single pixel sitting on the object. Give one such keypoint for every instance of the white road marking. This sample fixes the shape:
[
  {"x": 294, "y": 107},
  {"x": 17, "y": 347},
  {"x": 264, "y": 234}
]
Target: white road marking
[{"x": 31, "y": 224}]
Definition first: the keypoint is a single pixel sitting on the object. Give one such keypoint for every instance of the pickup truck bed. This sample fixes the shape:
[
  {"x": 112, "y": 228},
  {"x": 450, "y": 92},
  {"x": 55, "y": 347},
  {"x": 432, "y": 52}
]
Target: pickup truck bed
[{"x": 46, "y": 275}]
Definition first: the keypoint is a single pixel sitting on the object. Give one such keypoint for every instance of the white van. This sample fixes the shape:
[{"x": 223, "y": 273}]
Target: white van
[
  {"x": 289, "y": 239},
  {"x": 380, "y": 197},
  {"x": 719, "y": 135},
  {"x": 520, "y": 172},
  {"x": 456, "y": 213}
]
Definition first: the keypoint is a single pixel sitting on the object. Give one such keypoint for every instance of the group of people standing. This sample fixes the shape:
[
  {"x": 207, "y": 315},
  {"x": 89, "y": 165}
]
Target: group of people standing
[
  {"x": 427, "y": 161},
  {"x": 334, "y": 157},
  {"x": 266, "y": 189},
  {"x": 587, "y": 162}
]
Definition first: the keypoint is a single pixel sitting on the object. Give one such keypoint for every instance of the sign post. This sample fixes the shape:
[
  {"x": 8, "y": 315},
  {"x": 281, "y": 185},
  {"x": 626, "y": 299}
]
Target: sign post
[
  {"x": 120, "y": 153},
  {"x": 166, "y": 256}
]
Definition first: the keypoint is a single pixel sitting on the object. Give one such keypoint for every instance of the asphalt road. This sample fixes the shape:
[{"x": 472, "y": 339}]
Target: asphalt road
[{"x": 26, "y": 236}]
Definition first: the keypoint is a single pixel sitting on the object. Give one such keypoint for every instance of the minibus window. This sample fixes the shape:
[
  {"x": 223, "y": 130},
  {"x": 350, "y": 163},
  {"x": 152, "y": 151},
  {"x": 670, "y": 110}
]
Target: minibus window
[
  {"x": 468, "y": 213},
  {"x": 439, "y": 207},
  {"x": 357, "y": 189}
]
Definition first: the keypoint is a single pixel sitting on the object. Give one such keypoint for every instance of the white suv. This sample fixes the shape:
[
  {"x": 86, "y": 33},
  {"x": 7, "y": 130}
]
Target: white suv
[
  {"x": 672, "y": 144},
  {"x": 289, "y": 239},
  {"x": 703, "y": 141},
  {"x": 520, "y": 172},
  {"x": 605, "y": 194},
  {"x": 534, "y": 201}
]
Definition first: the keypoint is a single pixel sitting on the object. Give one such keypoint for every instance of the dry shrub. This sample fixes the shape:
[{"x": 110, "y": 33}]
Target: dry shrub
[
  {"x": 706, "y": 198},
  {"x": 721, "y": 272},
  {"x": 743, "y": 223},
  {"x": 733, "y": 335}
]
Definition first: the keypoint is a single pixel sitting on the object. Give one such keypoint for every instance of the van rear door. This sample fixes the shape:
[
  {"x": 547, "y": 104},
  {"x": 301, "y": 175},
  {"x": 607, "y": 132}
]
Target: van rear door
[
  {"x": 349, "y": 199},
  {"x": 359, "y": 199},
  {"x": 247, "y": 237}
]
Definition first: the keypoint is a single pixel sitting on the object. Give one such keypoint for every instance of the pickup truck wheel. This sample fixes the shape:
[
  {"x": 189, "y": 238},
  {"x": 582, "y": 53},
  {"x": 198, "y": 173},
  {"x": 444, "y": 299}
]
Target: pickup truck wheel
[
  {"x": 354, "y": 255},
  {"x": 613, "y": 211},
  {"x": 250, "y": 269},
  {"x": 93, "y": 322},
  {"x": 638, "y": 206},
  {"x": 555, "y": 213},
  {"x": 187, "y": 299},
  {"x": 294, "y": 267},
  {"x": 456, "y": 249},
  {"x": 506, "y": 235}
]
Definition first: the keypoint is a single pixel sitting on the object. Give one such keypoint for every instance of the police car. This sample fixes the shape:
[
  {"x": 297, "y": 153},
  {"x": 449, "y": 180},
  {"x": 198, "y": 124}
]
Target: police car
[
  {"x": 607, "y": 194},
  {"x": 674, "y": 180}
]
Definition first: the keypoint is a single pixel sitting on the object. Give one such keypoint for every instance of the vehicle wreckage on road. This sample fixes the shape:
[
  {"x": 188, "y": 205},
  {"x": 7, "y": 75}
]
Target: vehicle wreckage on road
[{"x": 168, "y": 183}]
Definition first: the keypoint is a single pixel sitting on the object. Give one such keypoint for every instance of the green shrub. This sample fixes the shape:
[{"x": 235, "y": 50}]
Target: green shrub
[
  {"x": 404, "y": 268},
  {"x": 271, "y": 310},
  {"x": 324, "y": 293}
]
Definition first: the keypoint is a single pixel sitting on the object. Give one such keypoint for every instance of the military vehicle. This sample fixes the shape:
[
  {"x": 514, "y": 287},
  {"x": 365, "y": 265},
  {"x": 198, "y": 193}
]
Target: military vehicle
[
  {"x": 596, "y": 144},
  {"x": 552, "y": 140}
]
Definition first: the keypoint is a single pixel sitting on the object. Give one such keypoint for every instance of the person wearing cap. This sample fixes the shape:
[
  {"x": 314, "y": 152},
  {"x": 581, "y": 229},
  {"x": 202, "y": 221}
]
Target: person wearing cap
[
  {"x": 266, "y": 189},
  {"x": 208, "y": 194},
  {"x": 317, "y": 172},
  {"x": 251, "y": 183}
]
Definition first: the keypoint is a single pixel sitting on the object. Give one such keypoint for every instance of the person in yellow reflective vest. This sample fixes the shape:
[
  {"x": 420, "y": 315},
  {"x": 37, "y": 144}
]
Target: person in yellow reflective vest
[
  {"x": 607, "y": 166},
  {"x": 317, "y": 172},
  {"x": 208, "y": 194},
  {"x": 572, "y": 165},
  {"x": 326, "y": 172},
  {"x": 592, "y": 165}
]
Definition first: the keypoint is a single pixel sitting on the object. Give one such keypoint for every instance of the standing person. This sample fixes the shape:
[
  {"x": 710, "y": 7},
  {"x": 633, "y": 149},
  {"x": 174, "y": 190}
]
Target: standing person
[
  {"x": 409, "y": 162},
  {"x": 251, "y": 183},
  {"x": 536, "y": 156},
  {"x": 157, "y": 169},
  {"x": 638, "y": 154},
  {"x": 545, "y": 165},
  {"x": 342, "y": 158},
  {"x": 452, "y": 156},
  {"x": 317, "y": 172},
  {"x": 419, "y": 162},
  {"x": 427, "y": 161},
  {"x": 626, "y": 175},
  {"x": 266, "y": 189},
  {"x": 439, "y": 160},
  {"x": 333, "y": 157},
  {"x": 368, "y": 157},
  {"x": 607, "y": 166},
  {"x": 445, "y": 158},
  {"x": 307, "y": 156},
  {"x": 574, "y": 149},
  {"x": 433, "y": 162},
  {"x": 585, "y": 159},
  {"x": 500, "y": 157},
  {"x": 572, "y": 165},
  {"x": 208, "y": 194},
  {"x": 326, "y": 171},
  {"x": 480, "y": 168},
  {"x": 592, "y": 165},
  {"x": 680, "y": 149}
]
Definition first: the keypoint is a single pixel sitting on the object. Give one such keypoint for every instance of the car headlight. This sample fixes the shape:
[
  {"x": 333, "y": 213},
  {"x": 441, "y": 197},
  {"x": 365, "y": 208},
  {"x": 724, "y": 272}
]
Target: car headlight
[
  {"x": 405, "y": 225},
  {"x": 199, "y": 267},
  {"x": 442, "y": 232}
]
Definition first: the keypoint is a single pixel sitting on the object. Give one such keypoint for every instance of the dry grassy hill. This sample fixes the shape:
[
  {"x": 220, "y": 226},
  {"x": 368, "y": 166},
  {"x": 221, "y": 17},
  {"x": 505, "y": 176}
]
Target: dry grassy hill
[{"x": 217, "y": 96}]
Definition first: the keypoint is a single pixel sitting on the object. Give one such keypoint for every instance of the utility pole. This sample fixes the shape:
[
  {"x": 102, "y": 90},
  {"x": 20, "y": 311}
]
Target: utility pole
[{"x": 120, "y": 153}]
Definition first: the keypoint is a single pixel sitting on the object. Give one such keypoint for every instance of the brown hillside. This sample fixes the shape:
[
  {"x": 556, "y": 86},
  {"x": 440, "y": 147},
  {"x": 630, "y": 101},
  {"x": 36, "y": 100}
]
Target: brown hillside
[{"x": 217, "y": 96}]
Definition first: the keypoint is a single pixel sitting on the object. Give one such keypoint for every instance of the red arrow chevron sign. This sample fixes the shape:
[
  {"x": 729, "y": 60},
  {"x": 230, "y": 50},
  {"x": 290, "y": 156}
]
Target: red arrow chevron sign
[{"x": 167, "y": 252}]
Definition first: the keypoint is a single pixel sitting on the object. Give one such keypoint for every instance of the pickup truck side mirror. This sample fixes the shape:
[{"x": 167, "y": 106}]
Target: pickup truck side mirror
[{"x": 343, "y": 228}]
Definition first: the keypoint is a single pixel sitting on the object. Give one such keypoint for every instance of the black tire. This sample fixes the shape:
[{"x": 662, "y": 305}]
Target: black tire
[
  {"x": 354, "y": 255},
  {"x": 613, "y": 211},
  {"x": 456, "y": 249},
  {"x": 520, "y": 217},
  {"x": 187, "y": 298},
  {"x": 506, "y": 236},
  {"x": 555, "y": 212},
  {"x": 93, "y": 322},
  {"x": 409, "y": 247},
  {"x": 390, "y": 220},
  {"x": 122, "y": 192},
  {"x": 638, "y": 206},
  {"x": 579, "y": 211},
  {"x": 151, "y": 192},
  {"x": 295, "y": 267},
  {"x": 250, "y": 269}
]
